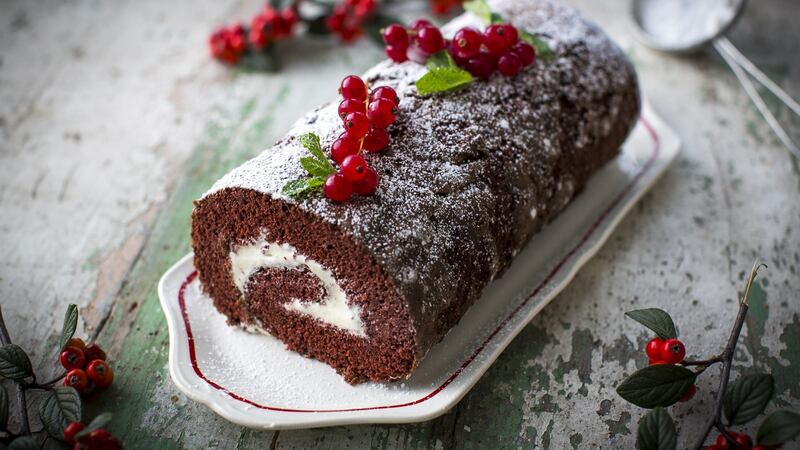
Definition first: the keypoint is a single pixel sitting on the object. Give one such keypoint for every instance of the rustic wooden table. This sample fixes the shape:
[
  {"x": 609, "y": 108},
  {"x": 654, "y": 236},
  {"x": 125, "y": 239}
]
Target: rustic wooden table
[{"x": 113, "y": 119}]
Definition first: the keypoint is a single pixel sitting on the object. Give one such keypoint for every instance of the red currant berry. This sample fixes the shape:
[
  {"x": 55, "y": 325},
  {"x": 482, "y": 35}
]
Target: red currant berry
[
  {"x": 495, "y": 38},
  {"x": 356, "y": 124},
  {"x": 77, "y": 343},
  {"x": 397, "y": 54},
  {"x": 689, "y": 394},
  {"x": 102, "y": 439},
  {"x": 344, "y": 147},
  {"x": 72, "y": 358},
  {"x": 430, "y": 39},
  {"x": 349, "y": 105},
  {"x": 654, "y": 361},
  {"x": 654, "y": 347},
  {"x": 526, "y": 53},
  {"x": 337, "y": 188},
  {"x": 512, "y": 35},
  {"x": 466, "y": 43},
  {"x": 416, "y": 54},
  {"x": 76, "y": 378},
  {"x": 481, "y": 66},
  {"x": 290, "y": 17},
  {"x": 353, "y": 87},
  {"x": 742, "y": 441},
  {"x": 376, "y": 140},
  {"x": 721, "y": 441},
  {"x": 367, "y": 185},
  {"x": 419, "y": 23},
  {"x": 509, "y": 64},
  {"x": 385, "y": 92},
  {"x": 395, "y": 36},
  {"x": 71, "y": 430},
  {"x": 354, "y": 168},
  {"x": 100, "y": 373},
  {"x": 717, "y": 447},
  {"x": 382, "y": 112},
  {"x": 673, "y": 351},
  {"x": 93, "y": 351}
]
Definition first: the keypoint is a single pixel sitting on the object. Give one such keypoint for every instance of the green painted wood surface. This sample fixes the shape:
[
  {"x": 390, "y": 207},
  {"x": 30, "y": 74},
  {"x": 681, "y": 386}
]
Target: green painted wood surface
[{"x": 732, "y": 196}]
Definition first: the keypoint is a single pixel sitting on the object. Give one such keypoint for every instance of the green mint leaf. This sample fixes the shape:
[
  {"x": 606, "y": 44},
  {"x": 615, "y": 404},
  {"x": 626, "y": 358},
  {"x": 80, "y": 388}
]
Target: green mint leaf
[
  {"x": 14, "y": 362},
  {"x": 656, "y": 385},
  {"x": 655, "y": 319},
  {"x": 3, "y": 407},
  {"x": 61, "y": 406},
  {"x": 543, "y": 50},
  {"x": 747, "y": 397},
  {"x": 311, "y": 142},
  {"x": 24, "y": 443},
  {"x": 657, "y": 431},
  {"x": 70, "y": 324},
  {"x": 303, "y": 187},
  {"x": 440, "y": 59},
  {"x": 443, "y": 79},
  {"x": 779, "y": 427},
  {"x": 98, "y": 422},
  {"x": 480, "y": 8},
  {"x": 316, "y": 167}
]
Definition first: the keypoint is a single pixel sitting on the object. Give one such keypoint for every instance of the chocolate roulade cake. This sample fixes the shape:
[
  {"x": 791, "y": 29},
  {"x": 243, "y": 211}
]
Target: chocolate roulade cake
[{"x": 370, "y": 285}]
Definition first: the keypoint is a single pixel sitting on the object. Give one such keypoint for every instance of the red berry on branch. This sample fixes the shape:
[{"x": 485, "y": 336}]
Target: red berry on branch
[
  {"x": 71, "y": 430},
  {"x": 654, "y": 361},
  {"x": 367, "y": 184},
  {"x": 417, "y": 54},
  {"x": 382, "y": 112},
  {"x": 376, "y": 140},
  {"x": 743, "y": 442},
  {"x": 495, "y": 38},
  {"x": 290, "y": 16},
  {"x": 354, "y": 168},
  {"x": 430, "y": 39},
  {"x": 419, "y": 23},
  {"x": 77, "y": 343},
  {"x": 356, "y": 124},
  {"x": 344, "y": 147},
  {"x": 349, "y": 105},
  {"x": 673, "y": 351},
  {"x": 511, "y": 34},
  {"x": 654, "y": 347},
  {"x": 482, "y": 66},
  {"x": 72, "y": 358},
  {"x": 385, "y": 92},
  {"x": 466, "y": 43},
  {"x": 397, "y": 54},
  {"x": 77, "y": 379},
  {"x": 509, "y": 64},
  {"x": 93, "y": 351},
  {"x": 395, "y": 35},
  {"x": 689, "y": 394},
  {"x": 337, "y": 188},
  {"x": 100, "y": 373},
  {"x": 353, "y": 87},
  {"x": 335, "y": 22},
  {"x": 526, "y": 53}
]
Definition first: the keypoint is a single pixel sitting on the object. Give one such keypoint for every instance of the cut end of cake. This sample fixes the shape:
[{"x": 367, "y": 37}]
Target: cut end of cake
[{"x": 274, "y": 268}]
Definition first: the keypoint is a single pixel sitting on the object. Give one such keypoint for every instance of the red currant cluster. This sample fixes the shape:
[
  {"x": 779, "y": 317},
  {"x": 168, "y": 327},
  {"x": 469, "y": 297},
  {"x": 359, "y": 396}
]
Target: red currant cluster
[
  {"x": 670, "y": 351},
  {"x": 347, "y": 19},
  {"x": 99, "y": 439},
  {"x": 365, "y": 116},
  {"x": 741, "y": 442},
  {"x": 86, "y": 366},
  {"x": 497, "y": 48},
  {"x": 228, "y": 44}
]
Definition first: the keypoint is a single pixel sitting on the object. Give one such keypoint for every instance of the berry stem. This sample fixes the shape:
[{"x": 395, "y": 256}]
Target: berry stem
[
  {"x": 22, "y": 403},
  {"x": 727, "y": 362}
]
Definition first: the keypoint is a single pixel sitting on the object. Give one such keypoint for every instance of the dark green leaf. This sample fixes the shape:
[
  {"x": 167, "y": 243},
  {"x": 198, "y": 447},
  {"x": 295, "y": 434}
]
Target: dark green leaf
[
  {"x": 68, "y": 329},
  {"x": 657, "y": 431},
  {"x": 318, "y": 25},
  {"x": 480, "y": 8},
  {"x": 3, "y": 407},
  {"x": 656, "y": 385},
  {"x": 265, "y": 60},
  {"x": 543, "y": 50},
  {"x": 98, "y": 422},
  {"x": 779, "y": 427},
  {"x": 443, "y": 79},
  {"x": 747, "y": 397},
  {"x": 655, "y": 319},
  {"x": 316, "y": 167},
  {"x": 23, "y": 443},
  {"x": 303, "y": 187},
  {"x": 61, "y": 406},
  {"x": 440, "y": 59},
  {"x": 14, "y": 363}
]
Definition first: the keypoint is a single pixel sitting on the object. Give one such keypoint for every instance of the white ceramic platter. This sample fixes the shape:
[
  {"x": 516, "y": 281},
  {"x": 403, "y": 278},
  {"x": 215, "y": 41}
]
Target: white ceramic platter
[{"x": 254, "y": 381}]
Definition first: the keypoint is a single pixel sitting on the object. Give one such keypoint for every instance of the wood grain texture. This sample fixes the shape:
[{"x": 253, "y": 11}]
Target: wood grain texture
[{"x": 112, "y": 119}]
